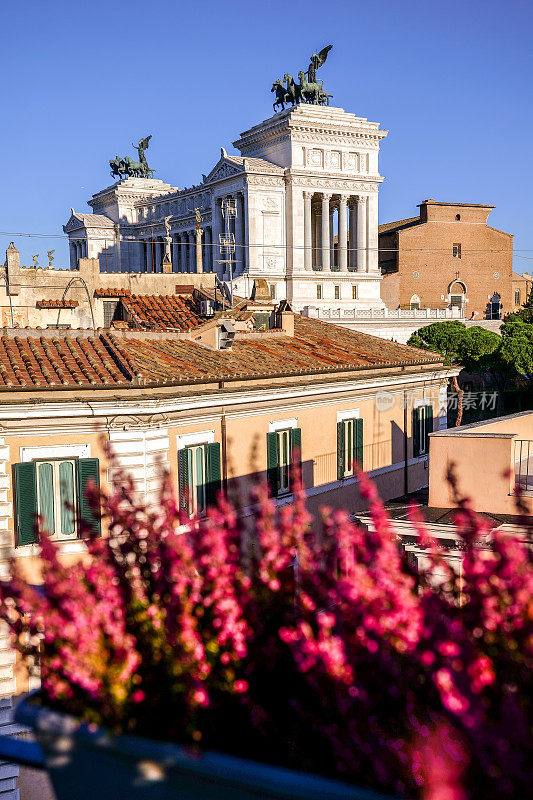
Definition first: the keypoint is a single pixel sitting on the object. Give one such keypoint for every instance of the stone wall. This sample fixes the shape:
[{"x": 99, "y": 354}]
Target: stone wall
[{"x": 28, "y": 285}]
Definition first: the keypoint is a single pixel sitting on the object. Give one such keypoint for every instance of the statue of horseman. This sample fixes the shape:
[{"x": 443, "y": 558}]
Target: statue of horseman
[{"x": 128, "y": 168}]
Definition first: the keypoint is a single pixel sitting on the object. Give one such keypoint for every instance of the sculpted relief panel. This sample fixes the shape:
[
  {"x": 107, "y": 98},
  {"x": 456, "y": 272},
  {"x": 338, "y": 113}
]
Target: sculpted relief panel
[{"x": 351, "y": 161}]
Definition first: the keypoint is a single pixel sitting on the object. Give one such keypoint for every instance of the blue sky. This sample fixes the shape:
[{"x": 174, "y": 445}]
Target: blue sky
[{"x": 81, "y": 81}]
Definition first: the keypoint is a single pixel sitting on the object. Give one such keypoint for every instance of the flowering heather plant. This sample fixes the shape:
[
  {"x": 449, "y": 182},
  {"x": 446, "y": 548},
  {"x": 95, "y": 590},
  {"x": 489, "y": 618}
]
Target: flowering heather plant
[{"x": 318, "y": 647}]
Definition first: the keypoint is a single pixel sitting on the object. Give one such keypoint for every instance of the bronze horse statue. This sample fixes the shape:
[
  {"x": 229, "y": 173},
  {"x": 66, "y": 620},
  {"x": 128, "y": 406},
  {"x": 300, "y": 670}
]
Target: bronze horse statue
[
  {"x": 286, "y": 94},
  {"x": 281, "y": 94},
  {"x": 313, "y": 92},
  {"x": 118, "y": 168},
  {"x": 294, "y": 92}
]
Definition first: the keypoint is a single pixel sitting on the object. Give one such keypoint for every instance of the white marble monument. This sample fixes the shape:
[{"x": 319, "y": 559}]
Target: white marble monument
[{"x": 306, "y": 187}]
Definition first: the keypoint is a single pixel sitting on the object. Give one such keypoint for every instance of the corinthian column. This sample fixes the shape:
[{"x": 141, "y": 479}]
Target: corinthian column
[
  {"x": 361, "y": 233},
  {"x": 308, "y": 233},
  {"x": 184, "y": 255},
  {"x": 352, "y": 259},
  {"x": 326, "y": 252},
  {"x": 343, "y": 234},
  {"x": 372, "y": 233},
  {"x": 208, "y": 250}
]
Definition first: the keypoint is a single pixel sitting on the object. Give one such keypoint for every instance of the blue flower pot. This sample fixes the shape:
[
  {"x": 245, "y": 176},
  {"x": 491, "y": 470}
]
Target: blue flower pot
[{"x": 86, "y": 764}]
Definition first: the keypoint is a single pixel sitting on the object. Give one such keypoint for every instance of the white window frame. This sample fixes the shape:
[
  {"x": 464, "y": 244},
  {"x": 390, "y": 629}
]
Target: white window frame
[
  {"x": 284, "y": 464},
  {"x": 352, "y": 413},
  {"x": 59, "y": 451},
  {"x": 191, "y": 439},
  {"x": 348, "y": 416},
  {"x": 195, "y": 440},
  {"x": 282, "y": 424},
  {"x": 422, "y": 420},
  {"x": 57, "y": 535},
  {"x": 196, "y": 507}
]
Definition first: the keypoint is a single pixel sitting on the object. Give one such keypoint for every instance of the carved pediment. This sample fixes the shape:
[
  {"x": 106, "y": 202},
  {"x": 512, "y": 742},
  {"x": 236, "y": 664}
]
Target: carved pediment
[
  {"x": 74, "y": 224},
  {"x": 224, "y": 169}
]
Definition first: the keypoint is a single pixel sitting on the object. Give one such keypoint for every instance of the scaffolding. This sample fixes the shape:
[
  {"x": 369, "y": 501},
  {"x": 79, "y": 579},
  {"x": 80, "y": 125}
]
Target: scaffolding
[{"x": 227, "y": 240}]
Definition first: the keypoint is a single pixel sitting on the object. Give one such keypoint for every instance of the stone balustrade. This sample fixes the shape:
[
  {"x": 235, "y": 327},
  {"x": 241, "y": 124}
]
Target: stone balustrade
[{"x": 384, "y": 313}]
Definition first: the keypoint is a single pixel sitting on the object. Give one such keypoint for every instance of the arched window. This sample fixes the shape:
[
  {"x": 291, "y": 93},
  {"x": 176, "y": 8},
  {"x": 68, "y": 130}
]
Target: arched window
[
  {"x": 414, "y": 302},
  {"x": 457, "y": 294}
]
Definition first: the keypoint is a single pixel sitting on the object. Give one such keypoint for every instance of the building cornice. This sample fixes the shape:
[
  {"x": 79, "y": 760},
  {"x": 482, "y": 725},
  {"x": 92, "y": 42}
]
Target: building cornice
[{"x": 92, "y": 416}]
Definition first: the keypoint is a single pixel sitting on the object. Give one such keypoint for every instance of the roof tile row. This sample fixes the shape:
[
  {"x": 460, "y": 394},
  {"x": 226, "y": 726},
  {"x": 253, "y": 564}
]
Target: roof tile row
[{"x": 106, "y": 359}]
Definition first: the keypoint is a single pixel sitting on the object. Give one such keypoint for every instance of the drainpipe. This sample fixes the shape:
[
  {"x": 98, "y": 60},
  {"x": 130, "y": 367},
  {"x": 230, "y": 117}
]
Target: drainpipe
[
  {"x": 405, "y": 463},
  {"x": 224, "y": 452}
]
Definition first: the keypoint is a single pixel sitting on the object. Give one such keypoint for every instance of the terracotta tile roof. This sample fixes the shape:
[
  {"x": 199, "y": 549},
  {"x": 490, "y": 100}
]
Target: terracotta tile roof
[
  {"x": 106, "y": 359},
  {"x": 56, "y": 304},
  {"x": 315, "y": 347},
  {"x": 119, "y": 292},
  {"x": 60, "y": 361},
  {"x": 387, "y": 227},
  {"x": 163, "y": 312}
]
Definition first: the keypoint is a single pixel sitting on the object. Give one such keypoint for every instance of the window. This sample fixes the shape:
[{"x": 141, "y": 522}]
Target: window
[
  {"x": 199, "y": 476},
  {"x": 272, "y": 291},
  {"x": 280, "y": 449},
  {"x": 456, "y": 300},
  {"x": 414, "y": 303},
  {"x": 354, "y": 291},
  {"x": 337, "y": 292},
  {"x": 46, "y": 487},
  {"x": 349, "y": 446},
  {"x": 319, "y": 292},
  {"x": 422, "y": 427},
  {"x": 517, "y": 297},
  {"x": 456, "y": 250},
  {"x": 457, "y": 217}
]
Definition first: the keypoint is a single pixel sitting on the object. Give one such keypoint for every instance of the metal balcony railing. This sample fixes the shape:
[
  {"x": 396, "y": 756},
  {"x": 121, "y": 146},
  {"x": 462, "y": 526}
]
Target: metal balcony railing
[{"x": 523, "y": 464}]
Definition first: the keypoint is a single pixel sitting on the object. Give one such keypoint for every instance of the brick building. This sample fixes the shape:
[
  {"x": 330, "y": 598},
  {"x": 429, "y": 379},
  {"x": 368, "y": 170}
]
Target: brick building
[
  {"x": 522, "y": 285},
  {"x": 447, "y": 256}
]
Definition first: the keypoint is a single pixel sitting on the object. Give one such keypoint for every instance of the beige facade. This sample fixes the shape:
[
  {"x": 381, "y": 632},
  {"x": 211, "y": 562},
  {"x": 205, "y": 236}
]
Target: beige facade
[
  {"x": 25, "y": 287},
  {"x": 147, "y": 428},
  {"x": 489, "y": 459}
]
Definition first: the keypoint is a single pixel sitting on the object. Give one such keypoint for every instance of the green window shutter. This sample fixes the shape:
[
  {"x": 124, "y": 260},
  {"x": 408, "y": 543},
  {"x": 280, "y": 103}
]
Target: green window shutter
[
  {"x": 214, "y": 475},
  {"x": 45, "y": 495},
  {"x": 25, "y": 494},
  {"x": 88, "y": 470},
  {"x": 184, "y": 478},
  {"x": 358, "y": 442},
  {"x": 429, "y": 425},
  {"x": 416, "y": 432},
  {"x": 340, "y": 451},
  {"x": 296, "y": 444},
  {"x": 272, "y": 463}
]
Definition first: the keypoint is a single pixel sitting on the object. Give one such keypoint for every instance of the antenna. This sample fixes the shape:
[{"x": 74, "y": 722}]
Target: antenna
[{"x": 227, "y": 240}]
